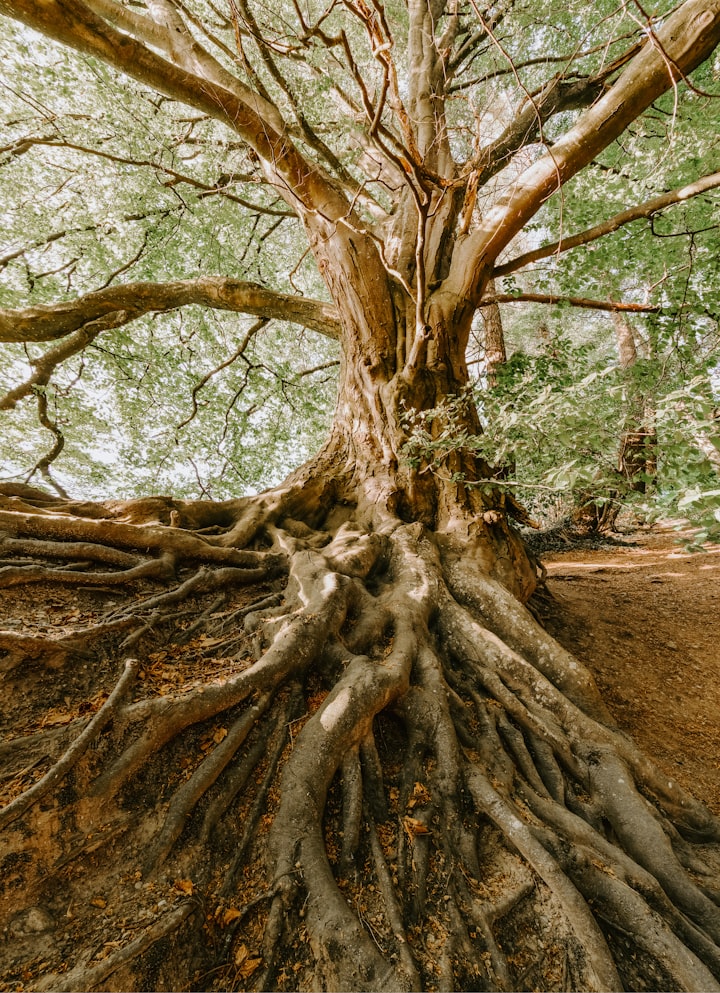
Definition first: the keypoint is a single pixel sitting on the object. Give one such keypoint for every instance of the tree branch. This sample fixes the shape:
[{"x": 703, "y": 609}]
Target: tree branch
[
  {"x": 128, "y": 302},
  {"x": 309, "y": 134},
  {"x": 170, "y": 35},
  {"x": 584, "y": 302},
  {"x": 257, "y": 326},
  {"x": 688, "y": 37},
  {"x": 16, "y": 253},
  {"x": 568, "y": 58},
  {"x": 559, "y": 94},
  {"x": 43, "y": 464},
  {"x": 220, "y": 188},
  {"x": 46, "y": 365},
  {"x": 636, "y": 213},
  {"x": 75, "y": 23}
]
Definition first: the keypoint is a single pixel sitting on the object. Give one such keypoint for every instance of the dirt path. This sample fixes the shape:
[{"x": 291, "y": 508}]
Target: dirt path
[{"x": 646, "y": 620}]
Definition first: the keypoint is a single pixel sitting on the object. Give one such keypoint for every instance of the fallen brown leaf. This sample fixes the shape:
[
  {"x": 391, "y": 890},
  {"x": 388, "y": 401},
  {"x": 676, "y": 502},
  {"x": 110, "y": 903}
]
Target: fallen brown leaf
[
  {"x": 420, "y": 796},
  {"x": 414, "y": 827},
  {"x": 245, "y": 963}
]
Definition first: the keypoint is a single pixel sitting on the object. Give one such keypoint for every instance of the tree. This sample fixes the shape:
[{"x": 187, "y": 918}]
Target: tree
[{"x": 436, "y": 789}]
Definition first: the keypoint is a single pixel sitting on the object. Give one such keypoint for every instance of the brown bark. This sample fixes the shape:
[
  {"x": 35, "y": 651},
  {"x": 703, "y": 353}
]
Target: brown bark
[
  {"x": 636, "y": 458},
  {"x": 494, "y": 338},
  {"x": 122, "y": 304},
  {"x": 585, "y": 303},
  {"x": 684, "y": 41}
]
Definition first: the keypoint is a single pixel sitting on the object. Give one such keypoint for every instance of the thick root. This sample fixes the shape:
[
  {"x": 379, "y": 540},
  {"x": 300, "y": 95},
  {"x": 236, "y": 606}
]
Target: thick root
[{"x": 371, "y": 769}]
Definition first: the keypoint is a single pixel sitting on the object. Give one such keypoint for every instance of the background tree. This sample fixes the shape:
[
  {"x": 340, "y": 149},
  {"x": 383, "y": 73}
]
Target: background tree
[{"x": 338, "y": 680}]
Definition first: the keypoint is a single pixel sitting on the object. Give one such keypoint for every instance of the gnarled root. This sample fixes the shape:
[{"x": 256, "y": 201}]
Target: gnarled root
[{"x": 345, "y": 757}]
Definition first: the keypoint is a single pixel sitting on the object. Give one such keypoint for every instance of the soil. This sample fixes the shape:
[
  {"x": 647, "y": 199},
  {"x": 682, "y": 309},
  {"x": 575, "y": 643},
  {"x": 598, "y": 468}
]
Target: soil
[{"x": 644, "y": 616}]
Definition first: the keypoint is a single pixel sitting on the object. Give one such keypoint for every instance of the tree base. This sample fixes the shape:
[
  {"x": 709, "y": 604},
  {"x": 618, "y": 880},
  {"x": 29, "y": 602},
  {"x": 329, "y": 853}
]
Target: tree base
[{"x": 276, "y": 744}]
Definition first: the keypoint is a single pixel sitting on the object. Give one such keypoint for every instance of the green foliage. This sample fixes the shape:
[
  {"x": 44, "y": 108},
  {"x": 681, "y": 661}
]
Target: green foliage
[
  {"x": 553, "y": 424},
  {"x": 550, "y": 425},
  {"x": 114, "y": 190},
  {"x": 255, "y": 419},
  {"x": 688, "y": 420}
]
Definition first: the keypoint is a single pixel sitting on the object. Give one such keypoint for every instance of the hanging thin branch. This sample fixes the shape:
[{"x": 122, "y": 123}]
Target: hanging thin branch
[{"x": 240, "y": 350}]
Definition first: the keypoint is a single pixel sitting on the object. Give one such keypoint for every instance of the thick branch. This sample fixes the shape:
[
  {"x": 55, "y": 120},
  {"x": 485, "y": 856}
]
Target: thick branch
[
  {"x": 636, "y": 213},
  {"x": 46, "y": 364},
  {"x": 170, "y": 35},
  {"x": 47, "y": 322},
  {"x": 684, "y": 42},
  {"x": 558, "y": 96}
]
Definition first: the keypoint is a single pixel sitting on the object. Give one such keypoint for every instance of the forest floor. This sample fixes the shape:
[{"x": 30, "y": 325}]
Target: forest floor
[{"x": 644, "y": 616}]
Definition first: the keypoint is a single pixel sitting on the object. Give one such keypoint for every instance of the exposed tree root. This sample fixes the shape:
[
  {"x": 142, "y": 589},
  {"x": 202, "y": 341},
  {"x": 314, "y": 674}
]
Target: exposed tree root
[
  {"x": 187, "y": 796},
  {"x": 371, "y": 770},
  {"x": 91, "y": 977},
  {"x": 106, "y": 713}
]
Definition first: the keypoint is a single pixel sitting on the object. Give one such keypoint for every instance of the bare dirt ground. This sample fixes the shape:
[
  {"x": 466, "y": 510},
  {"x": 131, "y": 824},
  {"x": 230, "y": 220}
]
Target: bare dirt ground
[{"x": 645, "y": 617}]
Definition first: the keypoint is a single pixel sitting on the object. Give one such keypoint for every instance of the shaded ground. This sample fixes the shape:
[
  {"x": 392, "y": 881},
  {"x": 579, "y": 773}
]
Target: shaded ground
[{"x": 646, "y": 619}]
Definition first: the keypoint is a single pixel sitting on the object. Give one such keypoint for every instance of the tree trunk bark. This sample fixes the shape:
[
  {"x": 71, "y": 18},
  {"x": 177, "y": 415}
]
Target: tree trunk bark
[
  {"x": 494, "y": 339},
  {"x": 636, "y": 459}
]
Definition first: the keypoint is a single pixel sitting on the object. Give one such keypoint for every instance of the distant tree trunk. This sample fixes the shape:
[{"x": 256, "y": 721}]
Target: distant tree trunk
[
  {"x": 636, "y": 461},
  {"x": 495, "y": 357},
  {"x": 636, "y": 450},
  {"x": 493, "y": 338}
]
